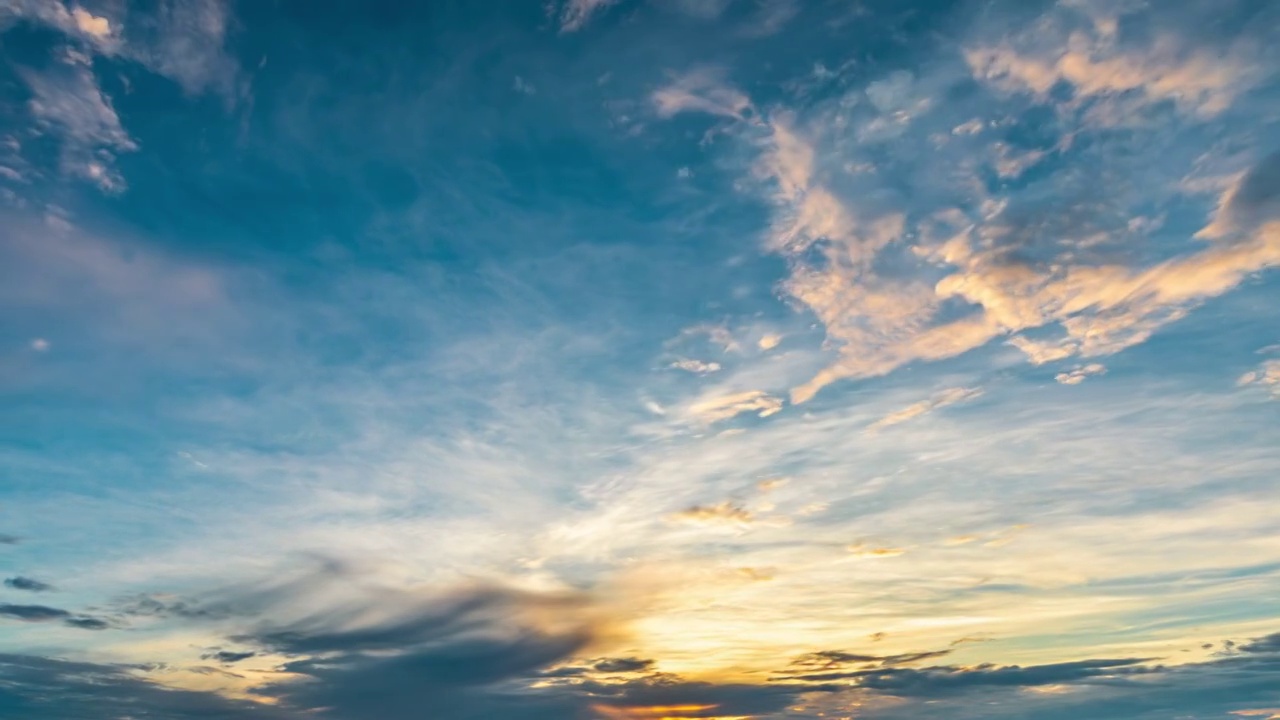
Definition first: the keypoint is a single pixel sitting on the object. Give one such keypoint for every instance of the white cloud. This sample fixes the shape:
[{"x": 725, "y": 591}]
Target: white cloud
[
  {"x": 68, "y": 101},
  {"x": 951, "y": 396},
  {"x": 696, "y": 367},
  {"x": 575, "y": 14},
  {"x": 717, "y": 408},
  {"x": 1077, "y": 375},
  {"x": 524, "y": 87},
  {"x": 702, "y": 90},
  {"x": 1267, "y": 375},
  {"x": 90, "y": 24},
  {"x": 190, "y": 47},
  {"x": 957, "y": 289},
  {"x": 1201, "y": 81}
]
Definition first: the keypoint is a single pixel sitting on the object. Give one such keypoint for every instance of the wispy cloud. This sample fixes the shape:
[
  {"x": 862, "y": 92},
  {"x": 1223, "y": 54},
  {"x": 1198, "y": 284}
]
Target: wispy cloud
[
  {"x": 68, "y": 102},
  {"x": 1267, "y": 375},
  {"x": 717, "y": 408},
  {"x": 1079, "y": 374},
  {"x": 575, "y": 14},
  {"x": 942, "y": 399}
]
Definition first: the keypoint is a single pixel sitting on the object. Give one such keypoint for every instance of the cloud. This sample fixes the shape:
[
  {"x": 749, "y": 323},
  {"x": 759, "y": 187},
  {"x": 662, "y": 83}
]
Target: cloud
[
  {"x": 87, "y": 623},
  {"x": 696, "y": 367},
  {"x": 970, "y": 264},
  {"x": 1202, "y": 82},
  {"x": 26, "y": 583},
  {"x": 1079, "y": 374},
  {"x": 186, "y": 42},
  {"x": 37, "y": 688},
  {"x": 98, "y": 31},
  {"x": 182, "y": 40},
  {"x": 828, "y": 665},
  {"x": 860, "y": 550},
  {"x": 718, "y": 408},
  {"x": 575, "y": 14},
  {"x": 1250, "y": 201},
  {"x": 9, "y": 539},
  {"x": 702, "y": 90},
  {"x": 950, "y": 396},
  {"x": 725, "y": 513},
  {"x": 1267, "y": 645},
  {"x": 67, "y": 100},
  {"x": 228, "y": 657},
  {"x": 43, "y": 613},
  {"x": 943, "y": 681},
  {"x": 1119, "y": 689},
  {"x": 90, "y": 24},
  {"x": 622, "y": 665},
  {"x": 32, "y": 613}
]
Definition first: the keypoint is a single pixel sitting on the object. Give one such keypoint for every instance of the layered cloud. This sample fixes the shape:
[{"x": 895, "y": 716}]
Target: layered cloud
[
  {"x": 183, "y": 42},
  {"x": 966, "y": 267},
  {"x": 948, "y": 419}
]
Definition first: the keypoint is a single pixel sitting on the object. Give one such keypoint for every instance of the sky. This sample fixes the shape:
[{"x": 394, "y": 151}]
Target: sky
[{"x": 640, "y": 360}]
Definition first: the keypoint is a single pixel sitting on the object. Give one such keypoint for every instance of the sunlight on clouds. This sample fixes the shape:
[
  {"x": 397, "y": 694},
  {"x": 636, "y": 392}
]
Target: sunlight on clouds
[
  {"x": 701, "y": 91},
  {"x": 881, "y": 322},
  {"x": 940, "y": 400},
  {"x": 1079, "y": 374},
  {"x": 90, "y": 24},
  {"x": 511, "y": 488},
  {"x": 724, "y": 513},
  {"x": 723, "y": 407},
  {"x": 862, "y": 551},
  {"x": 1202, "y": 82},
  {"x": 1267, "y": 375},
  {"x": 660, "y": 712}
]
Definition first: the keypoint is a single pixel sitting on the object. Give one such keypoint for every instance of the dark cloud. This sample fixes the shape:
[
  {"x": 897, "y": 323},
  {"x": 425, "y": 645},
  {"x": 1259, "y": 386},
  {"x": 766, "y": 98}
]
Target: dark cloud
[
  {"x": 1258, "y": 196},
  {"x": 622, "y": 665},
  {"x": 9, "y": 539},
  {"x": 87, "y": 623},
  {"x": 26, "y": 583},
  {"x": 159, "y": 606},
  {"x": 1097, "y": 689},
  {"x": 1263, "y": 645},
  {"x": 228, "y": 657},
  {"x": 44, "y": 613},
  {"x": 35, "y": 688},
  {"x": 841, "y": 664},
  {"x": 934, "y": 681},
  {"x": 32, "y": 613}
]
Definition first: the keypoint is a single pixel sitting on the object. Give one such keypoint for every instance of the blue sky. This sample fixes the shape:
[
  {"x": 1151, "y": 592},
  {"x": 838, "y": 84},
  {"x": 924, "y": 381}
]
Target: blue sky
[{"x": 639, "y": 359}]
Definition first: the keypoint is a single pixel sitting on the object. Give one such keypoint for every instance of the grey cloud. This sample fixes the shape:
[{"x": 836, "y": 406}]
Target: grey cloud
[
  {"x": 228, "y": 657},
  {"x": 44, "y": 613},
  {"x": 163, "y": 607},
  {"x": 9, "y": 539},
  {"x": 1269, "y": 644},
  {"x": 87, "y": 623},
  {"x": 829, "y": 665},
  {"x": 1258, "y": 196},
  {"x": 1099, "y": 689},
  {"x": 36, "y": 688},
  {"x": 26, "y": 583},
  {"x": 934, "y": 681},
  {"x": 32, "y": 613},
  {"x": 622, "y": 665}
]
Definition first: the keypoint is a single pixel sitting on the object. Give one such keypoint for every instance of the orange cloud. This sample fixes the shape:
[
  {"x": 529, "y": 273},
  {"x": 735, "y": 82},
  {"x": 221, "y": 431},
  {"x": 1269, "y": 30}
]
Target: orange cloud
[{"x": 659, "y": 712}]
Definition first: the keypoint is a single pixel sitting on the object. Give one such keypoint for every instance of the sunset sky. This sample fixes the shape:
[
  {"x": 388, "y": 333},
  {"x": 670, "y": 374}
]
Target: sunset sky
[{"x": 640, "y": 360}]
